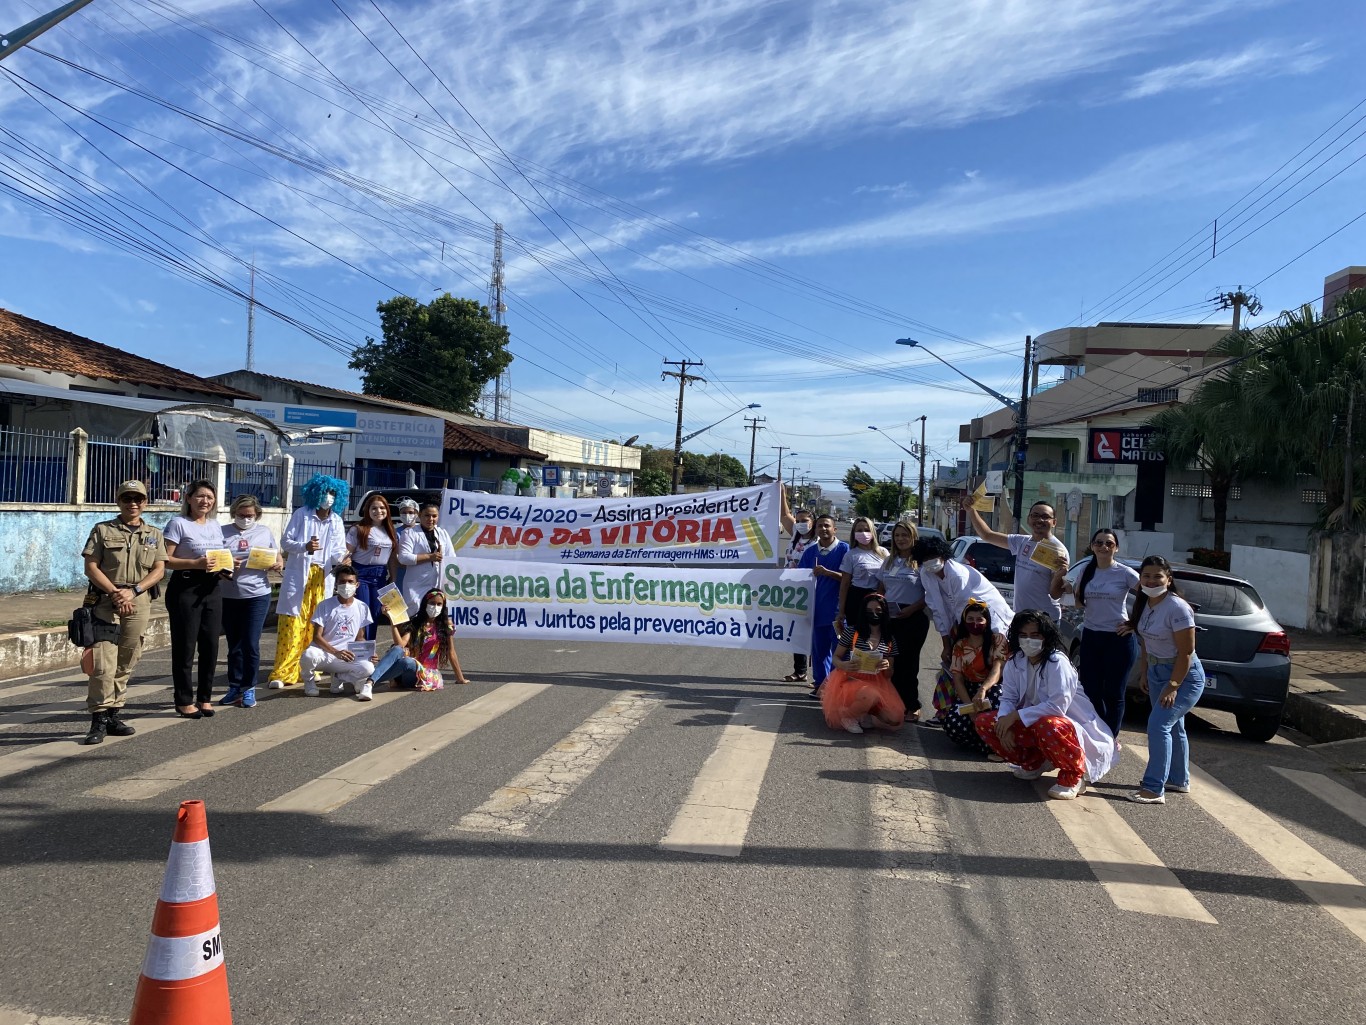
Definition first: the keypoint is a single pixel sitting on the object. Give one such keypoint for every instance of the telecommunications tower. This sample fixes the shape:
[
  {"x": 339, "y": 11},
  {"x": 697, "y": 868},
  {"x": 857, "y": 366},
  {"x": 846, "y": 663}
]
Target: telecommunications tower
[{"x": 502, "y": 388}]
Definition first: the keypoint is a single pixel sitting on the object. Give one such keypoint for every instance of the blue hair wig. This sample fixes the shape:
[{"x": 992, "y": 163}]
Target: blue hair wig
[{"x": 320, "y": 484}]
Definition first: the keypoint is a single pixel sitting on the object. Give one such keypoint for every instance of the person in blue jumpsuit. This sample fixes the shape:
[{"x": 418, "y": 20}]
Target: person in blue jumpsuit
[{"x": 823, "y": 558}]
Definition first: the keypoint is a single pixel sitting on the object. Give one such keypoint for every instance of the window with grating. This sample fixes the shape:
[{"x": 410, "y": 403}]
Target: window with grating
[
  {"x": 1310, "y": 496},
  {"x": 1202, "y": 491},
  {"x": 1157, "y": 395}
]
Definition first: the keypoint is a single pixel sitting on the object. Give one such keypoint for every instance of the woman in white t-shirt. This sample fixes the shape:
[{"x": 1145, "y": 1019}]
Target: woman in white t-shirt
[
  {"x": 859, "y": 568},
  {"x": 801, "y": 526},
  {"x": 1104, "y": 592},
  {"x": 1175, "y": 679},
  {"x": 194, "y": 604},
  {"x": 373, "y": 547}
]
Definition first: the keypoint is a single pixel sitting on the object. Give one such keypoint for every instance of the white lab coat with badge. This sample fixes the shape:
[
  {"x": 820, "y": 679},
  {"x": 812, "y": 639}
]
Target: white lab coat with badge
[
  {"x": 947, "y": 596},
  {"x": 419, "y": 579},
  {"x": 1052, "y": 688},
  {"x": 331, "y": 535}
]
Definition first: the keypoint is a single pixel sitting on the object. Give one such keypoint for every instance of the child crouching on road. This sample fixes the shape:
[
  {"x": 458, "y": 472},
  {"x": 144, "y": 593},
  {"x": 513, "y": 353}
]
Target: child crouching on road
[
  {"x": 336, "y": 623},
  {"x": 420, "y": 647}
]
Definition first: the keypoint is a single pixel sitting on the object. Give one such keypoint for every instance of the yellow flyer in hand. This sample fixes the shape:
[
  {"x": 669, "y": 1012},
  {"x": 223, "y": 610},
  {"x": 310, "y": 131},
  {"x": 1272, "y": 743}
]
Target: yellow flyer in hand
[
  {"x": 394, "y": 605},
  {"x": 981, "y": 501},
  {"x": 220, "y": 560},
  {"x": 261, "y": 558},
  {"x": 1049, "y": 554},
  {"x": 865, "y": 661}
]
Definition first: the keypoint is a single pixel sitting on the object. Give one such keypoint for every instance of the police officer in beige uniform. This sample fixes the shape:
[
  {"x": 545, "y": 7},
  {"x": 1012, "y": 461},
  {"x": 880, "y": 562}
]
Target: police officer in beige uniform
[{"x": 124, "y": 559}]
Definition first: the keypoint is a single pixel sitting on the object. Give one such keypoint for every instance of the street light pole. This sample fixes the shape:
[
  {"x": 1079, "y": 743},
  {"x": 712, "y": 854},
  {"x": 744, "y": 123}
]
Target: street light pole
[
  {"x": 920, "y": 494},
  {"x": 11, "y": 41}
]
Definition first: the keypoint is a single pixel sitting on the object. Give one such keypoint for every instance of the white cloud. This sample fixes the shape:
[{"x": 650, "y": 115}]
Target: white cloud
[{"x": 1260, "y": 60}]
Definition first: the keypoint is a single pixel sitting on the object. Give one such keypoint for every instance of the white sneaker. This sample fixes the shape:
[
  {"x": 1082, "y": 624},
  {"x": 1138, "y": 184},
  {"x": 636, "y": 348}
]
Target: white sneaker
[
  {"x": 310, "y": 688},
  {"x": 276, "y": 685},
  {"x": 366, "y": 691},
  {"x": 1023, "y": 773},
  {"x": 337, "y": 687},
  {"x": 1061, "y": 793},
  {"x": 852, "y": 726},
  {"x": 1172, "y": 788},
  {"x": 1138, "y": 798}
]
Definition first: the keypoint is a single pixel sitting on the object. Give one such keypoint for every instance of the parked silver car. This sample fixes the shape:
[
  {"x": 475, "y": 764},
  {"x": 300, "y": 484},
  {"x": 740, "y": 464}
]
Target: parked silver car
[{"x": 1245, "y": 652}]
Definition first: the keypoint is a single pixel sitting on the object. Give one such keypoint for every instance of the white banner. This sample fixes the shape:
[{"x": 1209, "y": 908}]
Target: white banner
[
  {"x": 761, "y": 609},
  {"x": 714, "y": 528}
]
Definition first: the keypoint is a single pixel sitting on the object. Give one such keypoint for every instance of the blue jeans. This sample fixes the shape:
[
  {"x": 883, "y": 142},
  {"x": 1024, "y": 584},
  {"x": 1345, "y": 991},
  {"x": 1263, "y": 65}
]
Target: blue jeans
[
  {"x": 1168, "y": 752},
  {"x": 243, "y": 619},
  {"x": 369, "y": 579},
  {"x": 823, "y": 641},
  {"x": 1106, "y": 661},
  {"x": 396, "y": 665}
]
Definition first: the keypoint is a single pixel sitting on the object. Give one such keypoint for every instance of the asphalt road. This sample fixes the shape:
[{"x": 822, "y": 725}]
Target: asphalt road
[{"x": 529, "y": 860}]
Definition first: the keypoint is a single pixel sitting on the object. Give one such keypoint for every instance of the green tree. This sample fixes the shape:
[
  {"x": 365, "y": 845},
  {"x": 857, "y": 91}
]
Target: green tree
[
  {"x": 713, "y": 471},
  {"x": 441, "y": 354},
  {"x": 883, "y": 497},
  {"x": 857, "y": 480},
  {"x": 653, "y": 482},
  {"x": 661, "y": 459}
]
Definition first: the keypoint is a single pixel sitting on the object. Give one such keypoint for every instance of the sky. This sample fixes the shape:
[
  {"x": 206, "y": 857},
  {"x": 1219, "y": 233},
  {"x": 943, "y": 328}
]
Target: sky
[{"x": 778, "y": 190}]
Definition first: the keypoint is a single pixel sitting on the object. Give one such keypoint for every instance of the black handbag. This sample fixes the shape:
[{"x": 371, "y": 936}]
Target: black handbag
[{"x": 80, "y": 628}]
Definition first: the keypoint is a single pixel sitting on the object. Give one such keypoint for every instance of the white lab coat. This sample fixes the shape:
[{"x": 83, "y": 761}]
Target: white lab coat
[
  {"x": 418, "y": 580},
  {"x": 946, "y": 597},
  {"x": 331, "y": 534},
  {"x": 1055, "y": 690}
]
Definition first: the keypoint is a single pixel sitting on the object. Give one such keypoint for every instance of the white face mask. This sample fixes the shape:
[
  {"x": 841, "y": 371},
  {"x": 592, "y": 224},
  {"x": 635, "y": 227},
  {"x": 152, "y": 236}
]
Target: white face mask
[
  {"x": 1031, "y": 646},
  {"x": 932, "y": 565},
  {"x": 409, "y": 519},
  {"x": 1154, "y": 592},
  {"x": 863, "y": 537},
  {"x": 377, "y": 516},
  {"x": 434, "y": 611},
  {"x": 803, "y": 527},
  {"x": 327, "y": 501},
  {"x": 244, "y": 522},
  {"x": 346, "y": 590}
]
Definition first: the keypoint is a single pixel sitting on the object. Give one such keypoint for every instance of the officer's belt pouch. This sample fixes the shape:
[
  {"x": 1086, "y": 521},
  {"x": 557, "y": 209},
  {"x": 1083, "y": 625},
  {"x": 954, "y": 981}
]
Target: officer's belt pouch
[{"x": 85, "y": 630}]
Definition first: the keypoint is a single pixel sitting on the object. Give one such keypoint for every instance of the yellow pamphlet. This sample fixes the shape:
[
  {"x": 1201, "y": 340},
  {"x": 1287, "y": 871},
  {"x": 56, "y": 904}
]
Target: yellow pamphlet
[
  {"x": 1051, "y": 556},
  {"x": 220, "y": 559},
  {"x": 394, "y": 605},
  {"x": 981, "y": 501},
  {"x": 865, "y": 661},
  {"x": 261, "y": 558}
]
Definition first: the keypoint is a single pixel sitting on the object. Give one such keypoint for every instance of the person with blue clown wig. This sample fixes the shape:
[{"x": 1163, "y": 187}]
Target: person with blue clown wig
[{"x": 315, "y": 543}]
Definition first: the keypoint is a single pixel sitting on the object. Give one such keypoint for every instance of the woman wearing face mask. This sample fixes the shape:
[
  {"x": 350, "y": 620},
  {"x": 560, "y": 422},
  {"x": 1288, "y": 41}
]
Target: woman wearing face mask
[
  {"x": 424, "y": 549},
  {"x": 948, "y": 586},
  {"x": 824, "y": 559},
  {"x": 1174, "y": 681},
  {"x": 860, "y": 566},
  {"x": 315, "y": 543},
  {"x": 858, "y": 694},
  {"x": 1104, "y": 592},
  {"x": 420, "y": 647},
  {"x": 979, "y": 656},
  {"x": 898, "y": 578},
  {"x": 406, "y": 511},
  {"x": 246, "y": 599},
  {"x": 801, "y": 526},
  {"x": 1045, "y": 719},
  {"x": 373, "y": 547},
  {"x": 194, "y": 604}
]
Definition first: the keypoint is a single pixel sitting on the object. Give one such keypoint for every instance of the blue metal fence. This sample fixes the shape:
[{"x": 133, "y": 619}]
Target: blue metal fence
[{"x": 33, "y": 466}]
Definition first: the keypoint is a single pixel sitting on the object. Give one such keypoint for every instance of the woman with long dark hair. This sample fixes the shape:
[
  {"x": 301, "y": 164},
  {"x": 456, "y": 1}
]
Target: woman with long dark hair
[
  {"x": 194, "y": 604},
  {"x": 1104, "y": 592},
  {"x": 373, "y": 547},
  {"x": 975, "y": 665},
  {"x": 1045, "y": 719},
  {"x": 1174, "y": 681},
  {"x": 420, "y": 648},
  {"x": 858, "y": 693}
]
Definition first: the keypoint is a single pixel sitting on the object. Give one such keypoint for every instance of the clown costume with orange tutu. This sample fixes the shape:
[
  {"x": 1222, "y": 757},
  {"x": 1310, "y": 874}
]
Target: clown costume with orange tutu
[{"x": 858, "y": 694}]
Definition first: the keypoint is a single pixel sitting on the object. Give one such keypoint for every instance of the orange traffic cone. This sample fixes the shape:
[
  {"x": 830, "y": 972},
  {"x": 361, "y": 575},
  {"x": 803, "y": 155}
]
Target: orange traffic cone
[{"x": 184, "y": 980}]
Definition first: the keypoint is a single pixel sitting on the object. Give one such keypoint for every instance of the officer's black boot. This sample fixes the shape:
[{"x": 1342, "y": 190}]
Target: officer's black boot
[
  {"x": 98, "y": 728},
  {"x": 115, "y": 726}
]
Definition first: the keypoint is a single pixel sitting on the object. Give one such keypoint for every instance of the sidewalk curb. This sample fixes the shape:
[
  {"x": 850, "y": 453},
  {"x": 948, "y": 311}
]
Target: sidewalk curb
[
  {"x": 1320, "y": 719},
  {"x": 36, "y": 651}
]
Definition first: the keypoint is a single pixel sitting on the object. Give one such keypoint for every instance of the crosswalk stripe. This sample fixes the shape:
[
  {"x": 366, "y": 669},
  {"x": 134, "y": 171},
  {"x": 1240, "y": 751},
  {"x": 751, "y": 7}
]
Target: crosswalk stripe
[
  {"x": 29, "y": 716},
  {"x": 909, "y": 824},
  {"x": 1330, "y": 887},
  {"x": 515, "y": 808},
  {"x": 347, "y": 782},
  {"x": 202, "y": 761},
  {"x": 19, "y": 690},
  {"x": 1337, "y": 796},
  {"x": 1130, "y": 873},
  {"x": 60, "y": 748},
  {"x": 715, "y": 818}
]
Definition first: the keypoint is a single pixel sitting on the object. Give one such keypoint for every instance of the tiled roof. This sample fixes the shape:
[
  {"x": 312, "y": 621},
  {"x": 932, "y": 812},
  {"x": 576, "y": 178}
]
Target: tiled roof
[
  {"x": 460, "y": 438},
  {"x": 33, "y": 345}
]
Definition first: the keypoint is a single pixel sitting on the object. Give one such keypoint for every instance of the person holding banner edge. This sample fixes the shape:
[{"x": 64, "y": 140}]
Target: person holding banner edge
[
  {"x": 824, "y": 559},
  {"x": 800, "y": 526}
]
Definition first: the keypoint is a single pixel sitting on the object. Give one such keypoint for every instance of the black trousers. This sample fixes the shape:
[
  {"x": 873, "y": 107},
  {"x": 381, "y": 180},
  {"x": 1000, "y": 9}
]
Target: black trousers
[
  {"x": 909, "y": 634},
  {"x": 194, "y": 606}
]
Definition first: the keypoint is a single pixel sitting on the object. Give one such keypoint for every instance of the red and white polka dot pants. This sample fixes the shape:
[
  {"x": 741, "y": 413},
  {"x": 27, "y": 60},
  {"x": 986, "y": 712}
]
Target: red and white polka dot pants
[{"x": 1052, "y": 738}]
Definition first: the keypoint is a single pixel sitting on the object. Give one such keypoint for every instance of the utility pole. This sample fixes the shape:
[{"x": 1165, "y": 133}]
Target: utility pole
[
  {"x": 920, "y": 494},
  {"x": 1238, "y": 301},
  {"x": 1022, "y": 432},
  {"x": 781, "y": 449},
  {"x": 11, "y": 41},
  {"x": 752, "y": 425},
  {"x": 684, "y": 379},
  {"x": 251, "y": 318},
  {"x": 901, "y": 491}
]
